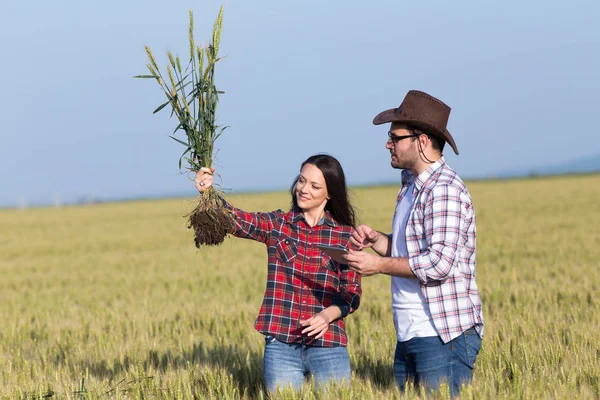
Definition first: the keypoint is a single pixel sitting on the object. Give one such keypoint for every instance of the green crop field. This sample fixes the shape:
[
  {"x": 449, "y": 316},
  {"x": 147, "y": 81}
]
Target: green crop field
[{"x": 114, "y": 301}]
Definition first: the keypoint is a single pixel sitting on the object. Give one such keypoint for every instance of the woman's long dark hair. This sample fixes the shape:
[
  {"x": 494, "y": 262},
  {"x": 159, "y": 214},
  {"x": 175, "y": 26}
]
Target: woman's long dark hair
[{"x": 338, "y": 204}]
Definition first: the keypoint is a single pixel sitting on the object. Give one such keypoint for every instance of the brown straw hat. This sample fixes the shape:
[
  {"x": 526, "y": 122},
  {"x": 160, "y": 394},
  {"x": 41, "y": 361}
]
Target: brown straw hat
[{"x": 423, "y": 112}]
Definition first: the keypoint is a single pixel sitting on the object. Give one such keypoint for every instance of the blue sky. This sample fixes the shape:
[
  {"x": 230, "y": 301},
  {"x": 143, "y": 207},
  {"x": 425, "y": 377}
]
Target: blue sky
[{"x": 300, "y": 77}]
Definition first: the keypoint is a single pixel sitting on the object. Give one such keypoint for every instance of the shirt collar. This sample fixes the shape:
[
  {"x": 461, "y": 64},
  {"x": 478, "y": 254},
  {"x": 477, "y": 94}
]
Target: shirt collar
[
  {"x": 296, "y": 215},
  {"x": 423, "y": 176},
  {"x": 408, "y": 178}
]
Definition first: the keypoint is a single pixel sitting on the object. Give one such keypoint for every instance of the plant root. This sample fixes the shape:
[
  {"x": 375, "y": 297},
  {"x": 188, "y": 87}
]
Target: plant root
[{"x": 210, "y": 226}]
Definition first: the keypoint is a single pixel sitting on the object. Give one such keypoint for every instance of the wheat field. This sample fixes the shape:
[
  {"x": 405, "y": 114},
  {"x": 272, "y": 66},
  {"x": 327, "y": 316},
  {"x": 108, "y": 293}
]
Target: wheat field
[{"x": 113, "y": 301}]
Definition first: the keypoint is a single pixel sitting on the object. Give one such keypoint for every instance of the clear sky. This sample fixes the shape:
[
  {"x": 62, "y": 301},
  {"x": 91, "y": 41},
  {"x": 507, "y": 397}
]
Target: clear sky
[{"x": 300, "y": 77}]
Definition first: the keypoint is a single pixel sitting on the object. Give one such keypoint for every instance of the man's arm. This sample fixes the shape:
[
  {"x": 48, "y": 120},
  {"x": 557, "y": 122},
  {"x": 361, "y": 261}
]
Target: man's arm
[
  {"x": 447, "y": 208},
  {"x": 396, "y": 266},
  {"x": 368, "y": 264}
]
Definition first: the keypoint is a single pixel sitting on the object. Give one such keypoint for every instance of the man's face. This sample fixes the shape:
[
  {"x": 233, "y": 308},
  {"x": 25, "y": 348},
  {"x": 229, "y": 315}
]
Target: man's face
[{"x": 403, "y": 149}]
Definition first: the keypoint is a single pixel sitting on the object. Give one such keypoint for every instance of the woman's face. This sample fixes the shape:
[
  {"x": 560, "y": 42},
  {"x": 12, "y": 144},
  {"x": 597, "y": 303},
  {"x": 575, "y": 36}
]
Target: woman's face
[{"x": 311, "y": 190}]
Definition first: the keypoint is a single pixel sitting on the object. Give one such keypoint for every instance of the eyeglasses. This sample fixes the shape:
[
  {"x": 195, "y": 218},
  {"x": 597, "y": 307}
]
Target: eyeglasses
[{"x": 395, "y": 139}]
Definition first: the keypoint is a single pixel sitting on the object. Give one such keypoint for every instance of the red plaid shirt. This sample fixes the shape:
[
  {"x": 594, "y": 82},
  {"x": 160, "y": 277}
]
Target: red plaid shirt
[
  {"x": 440, "y": 239},
  {"x": 301, "y": 280}
]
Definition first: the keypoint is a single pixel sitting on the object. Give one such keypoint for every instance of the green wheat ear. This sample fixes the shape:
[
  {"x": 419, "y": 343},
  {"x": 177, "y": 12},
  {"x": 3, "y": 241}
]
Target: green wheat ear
[
  {"x": 217, "y": 31},
  {"x": 171, "y": 59},
  {"x": 152, "y": 70},
  {"x": 178, "y": 62},
  {"x": 200, "y": 60},
  {"x": 192, "y": 45},
  {"x": 151, "y": 58},
  {"x": 170, "y": 71},
  {"x": 210, "y": 55}
]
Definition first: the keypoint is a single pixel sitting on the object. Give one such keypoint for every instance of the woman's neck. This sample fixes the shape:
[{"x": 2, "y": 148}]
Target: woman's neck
[{"x": 313, "y": 216}]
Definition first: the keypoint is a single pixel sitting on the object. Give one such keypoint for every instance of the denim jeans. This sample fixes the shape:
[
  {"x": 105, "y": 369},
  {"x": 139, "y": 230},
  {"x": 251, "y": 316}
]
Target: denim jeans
[
  {"x": 428, "y": 361},
  {"x": 290, "y": 364}
]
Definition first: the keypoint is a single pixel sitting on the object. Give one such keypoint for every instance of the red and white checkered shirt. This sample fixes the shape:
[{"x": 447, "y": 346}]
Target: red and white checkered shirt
[
  {"x": 440, "y": 239},
  {"x": 301, "y": 280}
]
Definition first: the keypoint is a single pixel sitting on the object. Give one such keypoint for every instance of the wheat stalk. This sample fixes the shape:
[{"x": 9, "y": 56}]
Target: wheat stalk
[{"x": 193, "y": 96}]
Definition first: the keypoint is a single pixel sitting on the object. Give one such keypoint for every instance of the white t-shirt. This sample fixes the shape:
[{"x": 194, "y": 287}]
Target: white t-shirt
[{"x": 411, "y": 311}]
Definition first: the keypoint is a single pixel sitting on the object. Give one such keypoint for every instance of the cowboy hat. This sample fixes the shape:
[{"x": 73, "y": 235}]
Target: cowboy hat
[{"x": 422, "y": 111}]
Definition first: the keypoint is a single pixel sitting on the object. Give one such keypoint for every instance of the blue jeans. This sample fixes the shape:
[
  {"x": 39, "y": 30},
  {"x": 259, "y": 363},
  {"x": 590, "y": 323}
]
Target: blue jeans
[
  {"x": 290, "y": 364},
  {"x": 428, "y": 361}
]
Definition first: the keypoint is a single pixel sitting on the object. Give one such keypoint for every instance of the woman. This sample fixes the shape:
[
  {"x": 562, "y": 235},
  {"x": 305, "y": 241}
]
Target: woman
[{"x": 308, "y": 294}]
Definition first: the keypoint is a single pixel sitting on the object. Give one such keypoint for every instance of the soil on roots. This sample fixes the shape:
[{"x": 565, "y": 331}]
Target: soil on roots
[{"x": 210, "y": 226}]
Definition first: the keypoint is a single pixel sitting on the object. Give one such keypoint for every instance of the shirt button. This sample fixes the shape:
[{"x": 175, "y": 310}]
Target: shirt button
[{"x": 287, "y": 241}]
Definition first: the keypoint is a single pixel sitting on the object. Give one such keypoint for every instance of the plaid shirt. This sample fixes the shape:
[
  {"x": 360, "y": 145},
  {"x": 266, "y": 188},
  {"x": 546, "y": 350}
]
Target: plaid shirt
[
  {"x": 301, "y": 280},
  {"x": 440, "y": 239}
]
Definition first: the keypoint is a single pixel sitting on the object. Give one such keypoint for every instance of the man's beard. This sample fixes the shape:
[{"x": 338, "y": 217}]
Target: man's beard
[{"x": 404, "y": 163}]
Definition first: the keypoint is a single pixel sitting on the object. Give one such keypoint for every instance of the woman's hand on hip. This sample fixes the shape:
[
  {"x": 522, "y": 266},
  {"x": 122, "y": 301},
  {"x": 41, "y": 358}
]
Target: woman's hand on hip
[{"x": 318, "y": 324}]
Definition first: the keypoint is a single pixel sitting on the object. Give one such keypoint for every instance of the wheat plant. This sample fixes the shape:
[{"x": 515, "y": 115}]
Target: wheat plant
[{"x": 193, "y": 97}]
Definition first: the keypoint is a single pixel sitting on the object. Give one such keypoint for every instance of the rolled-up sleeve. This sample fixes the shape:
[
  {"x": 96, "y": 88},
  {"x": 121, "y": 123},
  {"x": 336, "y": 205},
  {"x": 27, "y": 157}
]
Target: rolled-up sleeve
[
  {"x": 442, "y": 228},
  {"x": 348, "y": 299}
]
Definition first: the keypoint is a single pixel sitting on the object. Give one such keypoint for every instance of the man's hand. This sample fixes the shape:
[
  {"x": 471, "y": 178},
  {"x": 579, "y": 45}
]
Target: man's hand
[
  {"x": 364, "y": 263},
  {"x": 364, "y": 237}
]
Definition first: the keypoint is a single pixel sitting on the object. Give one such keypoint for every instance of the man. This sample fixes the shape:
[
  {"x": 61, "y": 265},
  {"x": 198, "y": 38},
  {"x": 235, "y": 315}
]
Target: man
[{"x": 430, "y": 253}]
